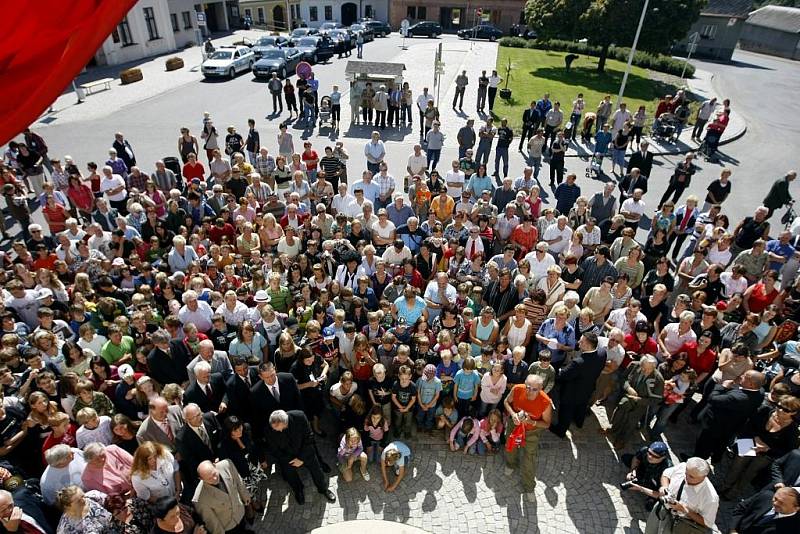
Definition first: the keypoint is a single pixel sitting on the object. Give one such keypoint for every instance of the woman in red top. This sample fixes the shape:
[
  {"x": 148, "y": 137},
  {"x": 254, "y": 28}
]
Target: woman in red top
[
  {"x": 524, "y": 236},
  {"x": 193, "y": 169},
  {"x": 701, "y": 358},
  {"x": 760, "y": 295},
  {"x": 364, "y": 359},
  {"x": 55, "y": 214},
  {"x": 81, "y": 196},
  {"x": 638, "y": 343},
  {"x": 311, "y": 159}
]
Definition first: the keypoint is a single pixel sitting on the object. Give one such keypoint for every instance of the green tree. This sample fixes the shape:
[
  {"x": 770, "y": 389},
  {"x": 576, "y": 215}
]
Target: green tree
[{"x": 613, "y": 22}]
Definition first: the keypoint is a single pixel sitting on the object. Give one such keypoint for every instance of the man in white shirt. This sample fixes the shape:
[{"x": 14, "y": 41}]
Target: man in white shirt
[
  {"x": 540, "y": 261},
  {"x": 695, "y": 498},
  {"x": 113, "y": 186},
  {"x": 619, "y": 118},
  {"x": 591, "y": 234},
  {"x": 422, "y": 104},
  {"x": 342, "y": 201},
  {"x": 626, "y": 318},
  {"x": 633, "y": 209},
  {"x": 371, "y": 189},
  {"x": 455, "y": 180},
  {"x": 375, "y": 151},
  {"x": 395, "y": 255},
  {"x": 558, "y": 235},
  {"x": 65, "y": 466},
  {"x": 439, "y": 293},
  {"x": 417, "y": 162},
  {"x": 195, "y": 311}
]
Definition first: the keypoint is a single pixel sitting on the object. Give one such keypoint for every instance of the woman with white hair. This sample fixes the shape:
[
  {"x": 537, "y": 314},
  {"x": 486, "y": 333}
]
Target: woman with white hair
[
  {"x": 643, "y": 388},
  {"x": 181, "y": 256},
  {"x": 553, "y": 286}
]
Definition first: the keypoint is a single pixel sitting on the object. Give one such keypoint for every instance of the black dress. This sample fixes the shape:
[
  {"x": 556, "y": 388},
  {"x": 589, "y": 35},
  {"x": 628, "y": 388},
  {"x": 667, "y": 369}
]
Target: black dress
[{"x": 312, "y": 397}]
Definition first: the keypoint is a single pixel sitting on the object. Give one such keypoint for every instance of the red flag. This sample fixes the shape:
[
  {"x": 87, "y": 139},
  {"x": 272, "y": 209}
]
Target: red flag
[{"x": 43, "y": 46}]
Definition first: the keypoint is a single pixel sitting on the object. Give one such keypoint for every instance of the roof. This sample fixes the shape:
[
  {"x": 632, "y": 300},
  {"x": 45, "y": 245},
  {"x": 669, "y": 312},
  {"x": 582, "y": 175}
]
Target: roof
[
  {"x": 728, "y": 8},
  {"x": 377, "y": 69},
  {"x": 785, "y": 19}
]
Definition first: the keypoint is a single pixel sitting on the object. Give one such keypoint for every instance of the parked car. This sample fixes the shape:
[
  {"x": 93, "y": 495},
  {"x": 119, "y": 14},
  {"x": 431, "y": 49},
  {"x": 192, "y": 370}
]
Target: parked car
[
  {"x": 343, "y": 39},
  {"x": 521, "y": 30},
  {"x": 381, "y": 29},
  {"x": 227, "y": 61},
  {"x": 366, "y": 31},
  {"x": 328, "y": 26},
  {"x": 425, "y": 28},
  {"x": 270, "y": 41},
  {"x": 280, "y": 60},
  {"x": 314, "y": 48},
  {"x": 481, "y": 31},
  {"x": 302, "y": 32}
]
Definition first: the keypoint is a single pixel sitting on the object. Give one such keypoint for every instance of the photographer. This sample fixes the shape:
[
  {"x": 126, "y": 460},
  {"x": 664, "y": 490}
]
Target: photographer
[
  {"x": 688, "y": 502},
  {"x": 647, "y": 467}
]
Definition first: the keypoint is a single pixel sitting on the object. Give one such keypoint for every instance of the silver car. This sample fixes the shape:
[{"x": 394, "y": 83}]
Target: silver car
[{"x": 228, "y": 61}]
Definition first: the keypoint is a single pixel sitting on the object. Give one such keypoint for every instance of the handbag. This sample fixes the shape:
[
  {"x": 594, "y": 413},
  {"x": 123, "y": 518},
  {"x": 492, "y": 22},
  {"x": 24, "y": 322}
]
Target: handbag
[{"x": 516, "y": 439}]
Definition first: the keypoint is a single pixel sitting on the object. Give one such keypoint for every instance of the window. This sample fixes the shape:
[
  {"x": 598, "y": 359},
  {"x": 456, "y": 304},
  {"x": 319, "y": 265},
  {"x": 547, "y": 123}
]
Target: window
[
  {"x": 368, "y": 11},
  {"x": 312, "y": 14},
  {"x": 248, "y": 13},
  {"x": 708, "y": 31},
  {"x": 261, "y": 18},
  {"x": 150, "y": 20},
  {"x": 173, "y": 17},
  {"x": 328, "y": 12},
  {"x": 422, "y": 12},
  {"x": 122, "y": 33},
  {"x": 187, "y": 20}
]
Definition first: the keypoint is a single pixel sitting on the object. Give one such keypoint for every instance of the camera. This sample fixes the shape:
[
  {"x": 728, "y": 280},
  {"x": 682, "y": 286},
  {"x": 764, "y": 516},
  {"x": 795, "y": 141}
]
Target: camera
[
  {"x": 628, "y": 484},
  {"x": 667, "y": 499}
]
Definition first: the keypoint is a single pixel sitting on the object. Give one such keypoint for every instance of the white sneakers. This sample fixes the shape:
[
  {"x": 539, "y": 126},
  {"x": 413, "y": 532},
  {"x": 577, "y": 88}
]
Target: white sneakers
[{"x": 365, "y": 475}]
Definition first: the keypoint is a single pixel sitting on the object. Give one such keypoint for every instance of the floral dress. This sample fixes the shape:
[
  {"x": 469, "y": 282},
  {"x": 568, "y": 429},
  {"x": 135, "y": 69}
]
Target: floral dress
[{"x": 97, "y": 519}]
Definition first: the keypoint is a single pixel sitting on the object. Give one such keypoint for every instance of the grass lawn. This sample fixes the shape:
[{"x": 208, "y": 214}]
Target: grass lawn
[{"x": 535, "y": 72}]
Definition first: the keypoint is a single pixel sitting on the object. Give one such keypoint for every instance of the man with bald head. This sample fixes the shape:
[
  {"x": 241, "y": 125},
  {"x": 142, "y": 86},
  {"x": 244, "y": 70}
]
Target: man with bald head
[
  {"x": 768, "y": 511},
  {"x": 221, "y": 498},
  {"x": 729, "y": 407},
  {"x": 217, "y": 359}
]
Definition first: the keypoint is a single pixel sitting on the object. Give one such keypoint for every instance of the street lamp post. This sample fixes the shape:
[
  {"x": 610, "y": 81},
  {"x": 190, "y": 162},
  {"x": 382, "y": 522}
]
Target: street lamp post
[{"x": 633, "y": 51}]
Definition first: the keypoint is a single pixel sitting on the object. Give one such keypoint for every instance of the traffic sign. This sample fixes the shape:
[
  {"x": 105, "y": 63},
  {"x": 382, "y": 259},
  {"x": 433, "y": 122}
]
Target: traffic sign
[
  {"x": 303, "y": 70},
  {"x": 200, "y": 17}
]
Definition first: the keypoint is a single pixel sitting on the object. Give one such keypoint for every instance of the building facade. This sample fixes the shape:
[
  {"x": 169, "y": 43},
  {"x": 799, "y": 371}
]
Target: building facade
[
  {"x": 719, "y": 27},
  {"x": 454, "y": 16},
  {"x": 154, "y": 27},
  {"x": 773, "y": 30},
  {"x": 316, "y": 12},
  {"x": 274, "y": 15}
]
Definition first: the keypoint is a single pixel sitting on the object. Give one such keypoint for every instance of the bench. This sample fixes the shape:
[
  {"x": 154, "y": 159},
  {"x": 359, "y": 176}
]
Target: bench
[{"x": 105, "y": 83}]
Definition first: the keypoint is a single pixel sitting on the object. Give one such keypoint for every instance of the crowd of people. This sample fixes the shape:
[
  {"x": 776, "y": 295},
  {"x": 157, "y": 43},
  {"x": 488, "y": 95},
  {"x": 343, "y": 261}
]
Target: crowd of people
[{"x": 174, "y": 335}]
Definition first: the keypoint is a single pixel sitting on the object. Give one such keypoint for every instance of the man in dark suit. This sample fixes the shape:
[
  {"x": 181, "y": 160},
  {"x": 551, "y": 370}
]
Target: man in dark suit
[
  {"x": 768, "y": 512},
  {"x": 642, "y": 159},
  {"x": 207, "y": 391},
  {"x": 167, "y": 361},
  {"x": 785, "y": 471},
  {"x": 23, "y": 511},
  {"x": 196, "y": 442},
  {"x": 530, "y": 119},
  {"x": 104, "y": 216},
  {"x": 728, "y": 408},
  {"x": 237, "y": 389},
  {"x": 632, "y": 181},
  {"x": 274, "y": 391},
  {"x": 290, "y": 443},
  {"x": 162, "y": 425},
  {"x": 576, "y": 383}
]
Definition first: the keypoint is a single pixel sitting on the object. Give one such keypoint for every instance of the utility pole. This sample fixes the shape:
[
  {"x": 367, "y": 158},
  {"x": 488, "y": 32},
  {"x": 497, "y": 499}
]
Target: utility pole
[
  {"x": 633, "y": 51},
  {"x": 690, "y": 48}
]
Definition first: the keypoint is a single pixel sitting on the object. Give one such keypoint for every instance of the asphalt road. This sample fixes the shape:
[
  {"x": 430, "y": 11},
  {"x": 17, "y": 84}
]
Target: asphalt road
[{"x": 761, "y": 89}]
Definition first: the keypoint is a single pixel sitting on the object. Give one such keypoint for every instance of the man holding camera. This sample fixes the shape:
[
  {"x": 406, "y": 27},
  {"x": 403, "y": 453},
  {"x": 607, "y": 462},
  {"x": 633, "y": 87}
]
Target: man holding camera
[
  {"x": 647, "y": 467},
  {"x": 687, "y": 501}
]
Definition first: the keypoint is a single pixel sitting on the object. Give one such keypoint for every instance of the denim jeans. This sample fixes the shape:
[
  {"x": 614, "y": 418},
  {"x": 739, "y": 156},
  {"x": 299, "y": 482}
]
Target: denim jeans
[
  {"x": 403, "y": 423},
  {"x": 485, "y": 408},
  {"x": 482, "y": 155},
  {"x": 426, "y": 418},
  {"x": 405, "y": 113},
  {"x": 433, "y": 157},
  {"x": 501, "y": 152},
  {"x": 481, "y": 448},
  {"x": 536, "y": 163},
  {"x": 461, "y": 442},
  {"x": 575, "y": 119}
]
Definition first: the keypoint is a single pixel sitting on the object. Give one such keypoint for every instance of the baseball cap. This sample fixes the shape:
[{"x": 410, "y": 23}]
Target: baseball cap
[
  {"x": 261, "y": 296},
  {"x": 291, "y": 322},
  {"x": 125, "y": 371},
  {"x": 118, "y": 262},
  {"x": 642, "y": 326},
  {"x": 659, "y": 448},
  {"x": 44, "y": 293}
]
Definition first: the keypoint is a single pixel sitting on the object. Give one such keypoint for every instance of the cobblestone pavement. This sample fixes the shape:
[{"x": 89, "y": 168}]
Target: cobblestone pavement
[{"x": 577, "y": 491}]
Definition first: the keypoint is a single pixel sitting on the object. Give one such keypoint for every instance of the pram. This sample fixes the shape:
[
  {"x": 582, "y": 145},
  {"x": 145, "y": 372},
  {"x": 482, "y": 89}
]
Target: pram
[
  {"x": 665, "y": 127},
  {"x": 595, "y": 166},
  {"x": 325, "y": 111}
]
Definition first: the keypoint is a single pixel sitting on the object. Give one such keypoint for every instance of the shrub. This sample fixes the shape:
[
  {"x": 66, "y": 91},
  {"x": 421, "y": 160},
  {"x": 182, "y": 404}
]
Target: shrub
[{"x": 645, "y": 60}]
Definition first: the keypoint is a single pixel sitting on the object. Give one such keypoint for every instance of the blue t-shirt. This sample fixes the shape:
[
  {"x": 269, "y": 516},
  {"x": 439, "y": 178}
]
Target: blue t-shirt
[
  {"x": 775, "y": 246},
  {"x": 427, "y": 389},
  {"x": 410, "y": 313},
  {"x": 402, "y": 448},
  {"x": 601, "y": 142},
  {"x": 466, "y": 383}
]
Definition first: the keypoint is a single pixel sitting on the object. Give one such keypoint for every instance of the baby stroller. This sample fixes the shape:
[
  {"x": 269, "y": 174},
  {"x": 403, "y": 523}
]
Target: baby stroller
[
  {"x": 595, "y": 166},
  {"x": 325, "y": 111},
  {"x": 665, "y": 127}
]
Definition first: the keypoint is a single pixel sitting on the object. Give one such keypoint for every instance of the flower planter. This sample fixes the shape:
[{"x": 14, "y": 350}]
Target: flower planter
[
  {"x": 505, "y": 94},
  {"x": 130, "y": 76},
  {"x": 174, "y": 63}
]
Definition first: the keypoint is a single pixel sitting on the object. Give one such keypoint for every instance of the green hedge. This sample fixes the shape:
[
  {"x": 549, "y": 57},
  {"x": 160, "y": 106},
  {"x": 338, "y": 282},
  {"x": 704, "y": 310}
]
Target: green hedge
[{"x": 644, "y": 60}]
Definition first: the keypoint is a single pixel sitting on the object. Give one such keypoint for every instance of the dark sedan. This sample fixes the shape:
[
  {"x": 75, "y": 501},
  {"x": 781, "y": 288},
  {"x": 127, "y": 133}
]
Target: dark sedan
[
  {"x": 482, "y": 31},
  {"x": 343, "y": 40},
  {"x": 265, "y": 43},
  {"x": 425, "y": 28},
  {"x": 283, "y": 61},
  {"x": 381, "y": 29},
  {"x": 366, "y": 31},
  {"x": 302, "y": 32},
  {"x": 314, "y": 48}
]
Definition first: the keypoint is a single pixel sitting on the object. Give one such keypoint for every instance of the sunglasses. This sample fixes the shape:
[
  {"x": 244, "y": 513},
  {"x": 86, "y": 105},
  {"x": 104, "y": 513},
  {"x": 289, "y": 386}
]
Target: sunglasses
[{"x": 784, "y": 409}]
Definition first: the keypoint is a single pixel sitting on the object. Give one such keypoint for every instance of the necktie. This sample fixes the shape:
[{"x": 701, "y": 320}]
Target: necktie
[
  {"x": 170, "y": 434},
  {"x": 275, "y": 393},
  {"x": 208, "y": 390},
  {"x": 766, "y": 518},
  {"x": 472, "y": 250},
  {"x": 204, "y": 436}
]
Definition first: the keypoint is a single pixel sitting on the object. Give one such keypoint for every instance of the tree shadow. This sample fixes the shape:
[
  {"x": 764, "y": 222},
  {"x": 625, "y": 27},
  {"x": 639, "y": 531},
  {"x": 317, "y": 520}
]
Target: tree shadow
[{"x": 638, "y": 87}]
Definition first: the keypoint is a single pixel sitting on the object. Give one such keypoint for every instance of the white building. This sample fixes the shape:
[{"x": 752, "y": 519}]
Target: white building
[
  {"x": 154, "y": 27},
  {"x": 316, "y": 12}
]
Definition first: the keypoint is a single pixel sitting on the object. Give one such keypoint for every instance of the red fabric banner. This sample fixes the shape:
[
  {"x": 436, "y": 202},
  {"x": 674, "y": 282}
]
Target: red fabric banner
[{"x": 44, "y": 44}]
